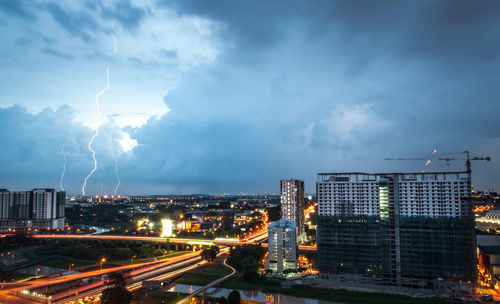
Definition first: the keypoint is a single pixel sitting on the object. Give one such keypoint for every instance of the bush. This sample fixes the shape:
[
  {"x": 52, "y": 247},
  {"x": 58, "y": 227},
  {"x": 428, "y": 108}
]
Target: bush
[{"x": 234, "y": 297}]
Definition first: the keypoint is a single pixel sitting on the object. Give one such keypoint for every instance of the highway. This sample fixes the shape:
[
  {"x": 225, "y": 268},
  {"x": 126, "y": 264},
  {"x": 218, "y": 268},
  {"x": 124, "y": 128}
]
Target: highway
[
  {"x": 188, "y": 241},
  {"x": 134, "y": 269},
  {"x": 137, "y": 273},
  {"x": 220, "y": 242}
]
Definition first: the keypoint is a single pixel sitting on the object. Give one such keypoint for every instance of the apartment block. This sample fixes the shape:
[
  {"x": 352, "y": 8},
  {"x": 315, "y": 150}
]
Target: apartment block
[{"x": 402, "y": 229}]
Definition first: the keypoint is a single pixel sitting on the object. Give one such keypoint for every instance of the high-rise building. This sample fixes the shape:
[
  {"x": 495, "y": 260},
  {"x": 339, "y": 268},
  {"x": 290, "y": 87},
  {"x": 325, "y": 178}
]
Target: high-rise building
[
  {"x": 282, "y": 246},
  {"x": 5, "y": 203},
  {"x": 30, "y": 210},
  {"x": 292, "y": 202},
  {"x": 403, "y": 229}
]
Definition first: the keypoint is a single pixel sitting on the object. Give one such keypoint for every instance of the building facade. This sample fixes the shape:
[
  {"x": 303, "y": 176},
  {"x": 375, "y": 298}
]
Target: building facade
[
  {"x": 402, "y": 229},
  {"x": 292, "y": 202},
  {"x": 23, "y": 211},
  {"x": 282, "y": 246}
]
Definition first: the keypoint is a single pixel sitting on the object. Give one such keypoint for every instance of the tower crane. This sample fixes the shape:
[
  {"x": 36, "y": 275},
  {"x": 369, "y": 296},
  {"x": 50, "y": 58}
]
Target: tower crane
[{"x": 468, "y": 160}]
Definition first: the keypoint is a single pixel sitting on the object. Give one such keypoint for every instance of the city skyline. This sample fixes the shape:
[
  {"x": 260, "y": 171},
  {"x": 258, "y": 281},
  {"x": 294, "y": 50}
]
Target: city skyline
[{"x": 231, "y": 98}]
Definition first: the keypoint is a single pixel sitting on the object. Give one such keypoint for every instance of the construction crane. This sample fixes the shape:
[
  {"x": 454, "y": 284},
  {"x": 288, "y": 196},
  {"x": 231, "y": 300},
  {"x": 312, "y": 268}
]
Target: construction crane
[{"x": 468, "y": 160}]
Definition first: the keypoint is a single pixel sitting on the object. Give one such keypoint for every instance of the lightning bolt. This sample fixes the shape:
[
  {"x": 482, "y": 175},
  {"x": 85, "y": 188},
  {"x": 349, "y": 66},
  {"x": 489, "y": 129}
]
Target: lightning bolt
[
  {"x": 96, "y": 127},
  {"x": 115, "y": 50},
  {"x": 117, "y": 177},
  {"x": 428, "y": 162},
  {"x": 64, "y": 164}
]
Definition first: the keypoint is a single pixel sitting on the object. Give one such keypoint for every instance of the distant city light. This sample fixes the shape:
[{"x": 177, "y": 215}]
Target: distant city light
[{"x": 167, "y": 228}]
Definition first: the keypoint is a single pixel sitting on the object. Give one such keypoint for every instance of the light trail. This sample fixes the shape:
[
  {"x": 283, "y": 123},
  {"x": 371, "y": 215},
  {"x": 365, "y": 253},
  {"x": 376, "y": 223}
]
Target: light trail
[
  {"x": 117, "y": 177},
  {"x": 64, "y": 164},
  {"x": 96, "y": 126}
]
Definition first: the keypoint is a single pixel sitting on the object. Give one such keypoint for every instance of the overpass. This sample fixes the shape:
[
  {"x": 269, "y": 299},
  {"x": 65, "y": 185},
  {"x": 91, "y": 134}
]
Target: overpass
[{"x": 256, "y": 238}]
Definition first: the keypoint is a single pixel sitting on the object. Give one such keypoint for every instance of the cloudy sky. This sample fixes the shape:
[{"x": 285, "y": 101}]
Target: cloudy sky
[{"x": 232, "y": 96}]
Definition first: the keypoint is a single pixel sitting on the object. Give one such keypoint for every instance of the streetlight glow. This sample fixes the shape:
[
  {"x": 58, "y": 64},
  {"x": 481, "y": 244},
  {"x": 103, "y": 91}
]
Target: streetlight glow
[{"x": 167, "y": 228}]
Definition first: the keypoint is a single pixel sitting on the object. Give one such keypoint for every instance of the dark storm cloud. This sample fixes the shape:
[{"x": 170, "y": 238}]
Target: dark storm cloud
[
  {"x": 461, "y": 29},
  {"x": 18, "y": 8},
  {"x": 84, "y": 24},
  {"x": 128, "y": 15},
  {"x": 297, "y": 88},
  {"x": 57, "y": 53},
  {"x": 249, "y": 22},
  {"x": 78, "y": 23}
]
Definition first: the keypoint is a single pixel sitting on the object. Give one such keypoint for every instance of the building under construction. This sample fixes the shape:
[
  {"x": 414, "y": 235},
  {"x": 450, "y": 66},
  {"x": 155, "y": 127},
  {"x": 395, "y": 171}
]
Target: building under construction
[{"x": 401, "y": 229}]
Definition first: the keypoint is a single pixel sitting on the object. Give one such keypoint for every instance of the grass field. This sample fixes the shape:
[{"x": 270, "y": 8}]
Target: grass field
[
  {"x": 204, "y": 275},
  {"x": 237, "y": 283},
  {"x": 162, "y": 297},
  {"x": 64, "y": 262}
]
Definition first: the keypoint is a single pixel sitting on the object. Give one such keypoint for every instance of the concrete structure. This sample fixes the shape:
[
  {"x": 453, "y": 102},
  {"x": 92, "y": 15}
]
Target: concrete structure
[
  {"x": 31, "y": 210},
  {"x": 489, "y": 264},
  {"x": 282, "y": 246},
  {"x": 402, "y": 229},
  {"x": 292, "y": 202}
]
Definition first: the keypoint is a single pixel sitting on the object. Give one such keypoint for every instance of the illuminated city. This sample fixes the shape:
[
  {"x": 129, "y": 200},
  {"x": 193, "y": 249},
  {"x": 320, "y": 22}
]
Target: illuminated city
[{"x": 247, "y": 152}]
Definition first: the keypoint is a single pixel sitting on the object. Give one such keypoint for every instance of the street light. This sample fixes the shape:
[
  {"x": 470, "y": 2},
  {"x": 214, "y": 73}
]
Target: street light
[
  {"x": 132, "y": 259},
  {"x": 102, "y": 261},
  {"x": 36, "y": 273},
  {"x": 70, "y": 265}
]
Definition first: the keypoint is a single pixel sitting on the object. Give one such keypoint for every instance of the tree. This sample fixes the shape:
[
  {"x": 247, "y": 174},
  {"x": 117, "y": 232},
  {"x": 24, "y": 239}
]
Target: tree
[
  {"x": 210, "y": 254},
  {"x": 234, "y": 297},
  {"x": 117, "y": 292},
  {"x": 222, "y": 300}
]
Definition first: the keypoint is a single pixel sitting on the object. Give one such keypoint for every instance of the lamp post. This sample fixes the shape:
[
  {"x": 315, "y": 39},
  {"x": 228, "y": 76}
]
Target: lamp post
[
  {"x": 132, "y": 259},
  {"x": 36, "y": 273},
  {"x": 102, "y": 261},
  {"x": 69, "y": 269}
]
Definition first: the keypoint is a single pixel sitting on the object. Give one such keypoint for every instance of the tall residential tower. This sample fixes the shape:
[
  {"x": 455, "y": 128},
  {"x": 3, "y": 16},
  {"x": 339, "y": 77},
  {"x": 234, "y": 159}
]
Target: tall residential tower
[
  {"x": 30, "y": 210},
  {"x": 292, "y": 202}
]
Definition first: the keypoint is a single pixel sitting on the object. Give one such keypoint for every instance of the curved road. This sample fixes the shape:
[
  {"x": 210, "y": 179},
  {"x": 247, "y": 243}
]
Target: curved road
[{"x": 213, "y": 284}]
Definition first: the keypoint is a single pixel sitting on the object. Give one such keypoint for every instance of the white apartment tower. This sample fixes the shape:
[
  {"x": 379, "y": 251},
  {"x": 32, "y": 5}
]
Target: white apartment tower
[
  {"x": 282, "y": 246},
  {"x": 418, "y": 194},
  {"x": 292, "y": 202},
  {"x": 44, "y": 203},
  {"x": 39, "y": 208}
]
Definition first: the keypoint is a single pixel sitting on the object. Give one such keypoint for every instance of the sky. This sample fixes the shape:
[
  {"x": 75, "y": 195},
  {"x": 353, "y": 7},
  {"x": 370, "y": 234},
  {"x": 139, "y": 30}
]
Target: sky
[{"x": 232, "y": 96}]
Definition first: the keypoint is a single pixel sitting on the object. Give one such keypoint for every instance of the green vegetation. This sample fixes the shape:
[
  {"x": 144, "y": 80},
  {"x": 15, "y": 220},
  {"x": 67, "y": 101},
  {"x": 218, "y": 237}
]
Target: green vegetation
[
  {"x": 117, "y": 291},
  {"x": 210, "y": 254},
  {"x": 234, "y": 297},
  {"x": 10, "y": 276},
  {"x": 89, "y": 252},
  {"x": 273, "y": 285},
  {"x": 247, "y": 259},
  {"x": 64, "y": 262},
  {"x": 263, "y": 283},
  {"x": 106, "y": 216},
  {"x": 162, "y": 297},
  {"x": 204, "y": 275},
  {"x": 345, "y": 296}
]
